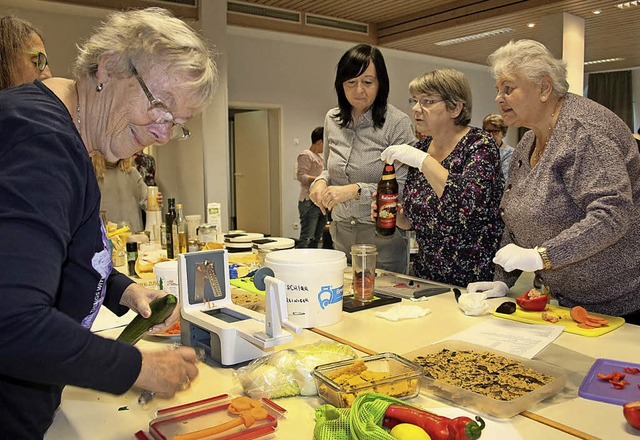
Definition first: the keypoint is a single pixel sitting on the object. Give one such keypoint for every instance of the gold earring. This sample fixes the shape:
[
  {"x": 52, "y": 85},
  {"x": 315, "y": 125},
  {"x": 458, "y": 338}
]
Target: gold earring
[{"x": 543, "y": 99}]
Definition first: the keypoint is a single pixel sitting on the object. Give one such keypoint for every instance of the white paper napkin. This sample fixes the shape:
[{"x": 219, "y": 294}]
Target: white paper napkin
[
  {"x": 473, "y": 304},
  {"x": 398, "y": 312}
]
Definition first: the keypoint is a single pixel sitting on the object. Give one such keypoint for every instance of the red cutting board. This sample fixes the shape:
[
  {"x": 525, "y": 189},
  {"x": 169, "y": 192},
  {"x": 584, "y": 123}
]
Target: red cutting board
[{"x": 566, "y": 321}]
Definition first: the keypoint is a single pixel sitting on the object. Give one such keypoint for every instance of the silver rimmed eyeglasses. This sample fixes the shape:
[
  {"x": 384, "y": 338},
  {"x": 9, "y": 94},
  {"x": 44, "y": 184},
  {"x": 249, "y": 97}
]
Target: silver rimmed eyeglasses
[
  {"x": 424, "y": 102},
  {"x": 159, "y": 112},
  {"x": 39, "y": 59}
]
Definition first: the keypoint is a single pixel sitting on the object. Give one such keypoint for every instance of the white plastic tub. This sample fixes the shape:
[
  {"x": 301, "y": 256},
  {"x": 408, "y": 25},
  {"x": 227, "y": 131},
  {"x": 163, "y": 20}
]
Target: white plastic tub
[
  {"x": 166, "y": 273},
  {"x": 315, "y": 281}
]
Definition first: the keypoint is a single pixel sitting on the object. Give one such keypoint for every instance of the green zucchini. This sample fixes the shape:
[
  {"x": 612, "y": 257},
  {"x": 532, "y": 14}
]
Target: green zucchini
[{"x": 161, "y": 309}]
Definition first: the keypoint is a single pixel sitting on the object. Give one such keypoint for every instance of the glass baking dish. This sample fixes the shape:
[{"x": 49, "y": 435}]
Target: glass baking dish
[
  {"x": 385, "y": 373},
  {"x": 503, "y": 409}
]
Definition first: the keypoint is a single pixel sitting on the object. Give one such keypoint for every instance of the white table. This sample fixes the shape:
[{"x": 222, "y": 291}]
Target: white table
[{"x": 85, "y": 413}]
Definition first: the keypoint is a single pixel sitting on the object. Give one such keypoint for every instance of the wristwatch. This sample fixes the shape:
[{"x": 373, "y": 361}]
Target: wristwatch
[
  {"x": 359, "y": 191},
  {"x": 545, "y": 257}
]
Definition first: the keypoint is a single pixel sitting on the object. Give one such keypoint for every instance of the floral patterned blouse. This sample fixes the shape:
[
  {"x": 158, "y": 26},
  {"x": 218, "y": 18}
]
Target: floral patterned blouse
[{"x": 459, "y": 233}]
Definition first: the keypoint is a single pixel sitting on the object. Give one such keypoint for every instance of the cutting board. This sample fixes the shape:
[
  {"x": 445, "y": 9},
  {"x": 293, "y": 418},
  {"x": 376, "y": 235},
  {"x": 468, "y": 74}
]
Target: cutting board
[
  {"x": 601, "y": 390},
  {"x": 566, "y": 321}
]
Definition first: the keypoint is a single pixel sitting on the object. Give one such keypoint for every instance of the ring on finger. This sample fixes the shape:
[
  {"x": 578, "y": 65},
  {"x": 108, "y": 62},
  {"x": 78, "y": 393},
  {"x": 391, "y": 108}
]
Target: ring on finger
[{"x": 186, "y": 384}]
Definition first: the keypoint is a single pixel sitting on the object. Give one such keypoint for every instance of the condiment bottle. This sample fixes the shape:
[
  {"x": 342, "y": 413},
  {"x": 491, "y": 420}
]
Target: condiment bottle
[
  {"x": 169, "y": 219},
  {"x": 181, "y": 227},
  {"x": 132, "y": 256},
  {"x": 387, "y": 200}
]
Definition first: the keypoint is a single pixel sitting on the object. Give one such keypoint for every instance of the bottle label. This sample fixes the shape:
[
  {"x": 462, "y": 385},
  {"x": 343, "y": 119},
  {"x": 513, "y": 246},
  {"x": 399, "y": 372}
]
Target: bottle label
[
  {"x": 387, "y": 205},
  {"x": 388, "y": 177}
]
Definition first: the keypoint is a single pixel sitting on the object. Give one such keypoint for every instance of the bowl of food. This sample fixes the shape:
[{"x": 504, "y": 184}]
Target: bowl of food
[{"x": 339, "y": 383}]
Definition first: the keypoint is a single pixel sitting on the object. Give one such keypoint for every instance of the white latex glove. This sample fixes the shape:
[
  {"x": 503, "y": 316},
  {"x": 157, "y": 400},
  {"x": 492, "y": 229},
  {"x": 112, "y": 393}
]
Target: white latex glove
[
  {"x": 513, "y": 257},
  {"x": 493, "y": 289},
  {"x": 404, "y": 153}
]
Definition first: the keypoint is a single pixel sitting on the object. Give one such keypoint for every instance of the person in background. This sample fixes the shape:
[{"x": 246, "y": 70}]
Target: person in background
[
  {"x": 495, "y": 125},
  {"x": 310, "y": 165},
  {"x": 355, "y": 133},
  {"x": 571, "y": 207},
  {"x": 123, "y": 193},
  {"x": 129, "y": 92},
  {"x": 454, "y": 184},
  {"x": 23, "y": 57}
]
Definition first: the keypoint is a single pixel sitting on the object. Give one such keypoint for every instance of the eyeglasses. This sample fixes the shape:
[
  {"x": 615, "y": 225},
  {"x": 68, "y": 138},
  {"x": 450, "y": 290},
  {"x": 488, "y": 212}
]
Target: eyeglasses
[
  {"x": 495, "y": 131},
  {"x": 159, "y": 112},
  {"x": 424, "y": 102},
  {"x": 39, "y": 59}
]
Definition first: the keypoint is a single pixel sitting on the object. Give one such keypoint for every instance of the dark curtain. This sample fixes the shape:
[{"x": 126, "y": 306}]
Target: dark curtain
[{"x": 614, "y": 91}]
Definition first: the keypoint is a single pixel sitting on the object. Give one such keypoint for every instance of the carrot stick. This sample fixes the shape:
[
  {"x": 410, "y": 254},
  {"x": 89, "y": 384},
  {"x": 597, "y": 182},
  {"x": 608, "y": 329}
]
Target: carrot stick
[{"x": 195, "y": 435}]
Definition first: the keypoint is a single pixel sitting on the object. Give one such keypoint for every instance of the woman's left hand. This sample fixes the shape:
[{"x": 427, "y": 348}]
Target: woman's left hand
[
  {"x": 513, "y": 257},
  {"x": 137, "y": 298},
  {"x": 332, "y": 195}
]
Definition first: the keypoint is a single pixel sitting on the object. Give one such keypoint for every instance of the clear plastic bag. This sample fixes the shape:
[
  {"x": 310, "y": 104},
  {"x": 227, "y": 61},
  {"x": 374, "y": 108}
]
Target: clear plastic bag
[{"x": 288, "y": 372}]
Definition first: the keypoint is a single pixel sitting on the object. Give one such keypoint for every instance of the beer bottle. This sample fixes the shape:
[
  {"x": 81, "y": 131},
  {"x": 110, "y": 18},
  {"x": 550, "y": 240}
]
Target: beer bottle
[
  {"x": 387, "y": 199},
  {"x": 170, "y": 219}
]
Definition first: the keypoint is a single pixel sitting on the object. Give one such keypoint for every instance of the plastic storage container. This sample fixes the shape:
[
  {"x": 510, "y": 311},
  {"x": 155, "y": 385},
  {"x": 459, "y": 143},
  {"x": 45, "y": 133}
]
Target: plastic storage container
[
  {"x": 402, "y": 379},
  {"x": 210, "y": 412},
  {"x": 484, "y": 404}
]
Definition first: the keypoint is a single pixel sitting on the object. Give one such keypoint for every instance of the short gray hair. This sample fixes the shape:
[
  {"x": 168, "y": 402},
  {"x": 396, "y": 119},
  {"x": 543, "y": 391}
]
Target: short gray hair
[
  {"x": 451, "y": 85},
  {"x": 531, "y": 60},
  {"x": 147, "y": 37}
]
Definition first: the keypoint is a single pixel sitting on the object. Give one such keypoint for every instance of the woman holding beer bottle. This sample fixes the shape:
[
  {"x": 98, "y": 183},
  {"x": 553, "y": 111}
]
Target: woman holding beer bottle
[
  {"x": 355, "y": 133},
  {"x": 454, "y": 184}
]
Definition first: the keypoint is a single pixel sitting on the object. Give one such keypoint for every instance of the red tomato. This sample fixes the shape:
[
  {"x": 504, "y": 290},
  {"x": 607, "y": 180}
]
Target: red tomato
[{"x": 631, "y": 412}]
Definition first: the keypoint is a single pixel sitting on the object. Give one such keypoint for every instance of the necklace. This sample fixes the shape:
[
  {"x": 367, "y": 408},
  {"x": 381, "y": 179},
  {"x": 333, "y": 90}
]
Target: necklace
[
  {"x": 537, "y": 152},
  {"x": 78, "y": 107}
]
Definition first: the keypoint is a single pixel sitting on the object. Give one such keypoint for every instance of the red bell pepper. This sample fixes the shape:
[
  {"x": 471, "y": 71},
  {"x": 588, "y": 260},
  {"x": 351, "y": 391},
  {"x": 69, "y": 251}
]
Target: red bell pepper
[
  {"x": 533, "y": 300},
  {"x": 438, "y": 427}
]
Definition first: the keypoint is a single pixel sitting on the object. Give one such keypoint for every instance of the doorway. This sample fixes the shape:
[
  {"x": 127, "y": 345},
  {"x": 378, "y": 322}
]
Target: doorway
[{"x": 255, "y": 190}]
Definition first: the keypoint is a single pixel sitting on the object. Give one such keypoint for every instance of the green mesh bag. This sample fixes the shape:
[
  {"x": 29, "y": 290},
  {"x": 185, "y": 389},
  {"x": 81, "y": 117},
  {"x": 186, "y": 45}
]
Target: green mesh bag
[{"x": 363, "y": 421}]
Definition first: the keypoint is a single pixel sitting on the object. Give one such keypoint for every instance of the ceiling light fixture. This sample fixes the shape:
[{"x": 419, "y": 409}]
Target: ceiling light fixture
[
  {"x": 606, "y": 60},
  {"x": 531, "y": 25},
  {"x": 626, "y": 5},
  {"x": 597, "y": 12},
  {"x": 474, "y": 37}
]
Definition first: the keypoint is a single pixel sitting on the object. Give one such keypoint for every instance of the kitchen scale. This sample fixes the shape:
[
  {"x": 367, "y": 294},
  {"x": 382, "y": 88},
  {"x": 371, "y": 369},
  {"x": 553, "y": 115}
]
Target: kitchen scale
[{"x": 228, "y": 333}]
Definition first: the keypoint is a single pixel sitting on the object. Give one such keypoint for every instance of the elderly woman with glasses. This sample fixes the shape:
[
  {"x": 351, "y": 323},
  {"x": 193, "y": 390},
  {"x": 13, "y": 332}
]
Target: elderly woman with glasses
[
  {"x": 138, "y": 79},
  {"x": 572, "y": 204},
  {"x": 355, "y": 133},
  {"x": 454, "y": 183},
  {"x": 22, "y": 54}
]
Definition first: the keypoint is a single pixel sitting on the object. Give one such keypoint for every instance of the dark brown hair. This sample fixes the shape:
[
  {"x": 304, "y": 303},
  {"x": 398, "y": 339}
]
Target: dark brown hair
[
  {"x": 353, "y": 64},
  {"x": 14, "y": 33}
]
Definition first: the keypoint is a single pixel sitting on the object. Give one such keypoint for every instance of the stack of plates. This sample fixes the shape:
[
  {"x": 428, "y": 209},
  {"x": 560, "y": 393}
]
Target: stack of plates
[{"x": 240, "y": 241}]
